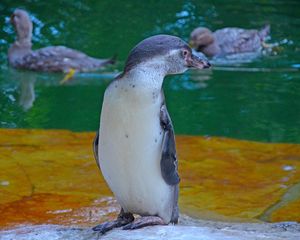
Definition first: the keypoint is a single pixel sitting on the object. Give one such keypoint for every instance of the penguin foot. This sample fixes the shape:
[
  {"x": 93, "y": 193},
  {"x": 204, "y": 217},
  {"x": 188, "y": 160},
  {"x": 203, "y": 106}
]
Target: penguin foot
[
  {"x": 144, "y": 222},
  {"x": 122, "y": 220},
  {"x": 105, "y": 227}
]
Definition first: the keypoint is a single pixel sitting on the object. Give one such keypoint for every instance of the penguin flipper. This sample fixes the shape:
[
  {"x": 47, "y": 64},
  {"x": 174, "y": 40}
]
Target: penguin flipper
[
  {"x": 168, "y": 161},
  {"x": 95, "y": 148}
]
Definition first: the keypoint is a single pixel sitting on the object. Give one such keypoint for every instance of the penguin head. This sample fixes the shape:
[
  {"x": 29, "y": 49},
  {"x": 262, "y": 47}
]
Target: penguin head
[
  {"x": 22, "y": 24},
  {"x": 167, "y": 53}
]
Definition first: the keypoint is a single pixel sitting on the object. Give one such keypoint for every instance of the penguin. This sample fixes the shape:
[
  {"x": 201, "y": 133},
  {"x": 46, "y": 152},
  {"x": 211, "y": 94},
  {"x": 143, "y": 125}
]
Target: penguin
[{"x": 135, "y": 145}]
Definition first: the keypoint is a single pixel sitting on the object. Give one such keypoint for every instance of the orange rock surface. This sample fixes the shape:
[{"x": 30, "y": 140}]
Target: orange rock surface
[{"x": 50, "y": 176}]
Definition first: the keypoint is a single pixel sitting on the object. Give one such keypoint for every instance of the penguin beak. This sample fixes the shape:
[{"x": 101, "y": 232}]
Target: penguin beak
[{"x": 197, "y": 60}]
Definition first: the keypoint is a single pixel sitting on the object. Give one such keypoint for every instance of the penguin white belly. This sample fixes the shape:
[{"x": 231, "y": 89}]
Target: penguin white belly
[{"x": 130, "y": 144}]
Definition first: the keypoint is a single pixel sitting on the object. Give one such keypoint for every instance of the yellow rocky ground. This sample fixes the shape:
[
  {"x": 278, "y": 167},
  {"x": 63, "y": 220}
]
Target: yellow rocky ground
[{"x": 50, "y": 176}]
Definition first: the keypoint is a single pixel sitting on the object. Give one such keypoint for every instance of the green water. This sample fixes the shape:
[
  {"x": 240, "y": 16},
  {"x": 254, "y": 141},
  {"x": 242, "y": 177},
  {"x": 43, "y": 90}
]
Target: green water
[{"x": 258, "y": 100}]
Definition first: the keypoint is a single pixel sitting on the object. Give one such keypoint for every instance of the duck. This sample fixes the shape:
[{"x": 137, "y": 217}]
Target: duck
[
  {"x": 47, "y": 59},
  {"x": 230, "y": 40}
]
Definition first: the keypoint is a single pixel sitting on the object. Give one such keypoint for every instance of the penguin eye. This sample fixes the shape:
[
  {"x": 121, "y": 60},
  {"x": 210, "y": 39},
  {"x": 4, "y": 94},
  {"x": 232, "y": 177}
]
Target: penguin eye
[{"x": 185, "y": 52}]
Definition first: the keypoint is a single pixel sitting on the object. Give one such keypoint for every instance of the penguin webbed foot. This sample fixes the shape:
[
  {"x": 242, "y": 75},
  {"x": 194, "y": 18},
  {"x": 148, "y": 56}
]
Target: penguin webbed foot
[
  {"x": 105, "y": 227},
  {"x": 122, "y": 220},
  {"x": 144, "y": 222}
]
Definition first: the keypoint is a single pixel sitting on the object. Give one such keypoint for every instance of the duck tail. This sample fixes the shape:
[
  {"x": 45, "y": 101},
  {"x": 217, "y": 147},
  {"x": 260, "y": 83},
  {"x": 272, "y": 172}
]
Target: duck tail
[{"x": 264, "y": 32}]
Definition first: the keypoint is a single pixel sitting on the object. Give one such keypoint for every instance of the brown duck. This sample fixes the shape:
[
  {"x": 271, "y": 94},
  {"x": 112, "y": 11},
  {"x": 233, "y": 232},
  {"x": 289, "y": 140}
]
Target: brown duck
[
  {"x": 228, "y": 40},
  {"x": 48, "y": 59}
]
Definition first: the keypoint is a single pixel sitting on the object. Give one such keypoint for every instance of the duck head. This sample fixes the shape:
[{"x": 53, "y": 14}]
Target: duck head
[
  {"x": 22, "y": 24},
  {"x": 202, "y": 40},
  {"x": 166, "y": 54}
]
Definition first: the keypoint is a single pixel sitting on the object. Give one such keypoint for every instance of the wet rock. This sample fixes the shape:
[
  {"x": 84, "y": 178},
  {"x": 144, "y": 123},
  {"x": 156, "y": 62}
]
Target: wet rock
[
  {"x": 51, "y": 177},
  {"x": 200, "y": 231}
]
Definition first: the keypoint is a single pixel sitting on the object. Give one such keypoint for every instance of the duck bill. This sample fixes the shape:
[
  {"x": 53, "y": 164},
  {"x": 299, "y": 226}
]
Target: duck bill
[
  {"x": 192, "y": 44},
  {"x": 198, "y": 60}
]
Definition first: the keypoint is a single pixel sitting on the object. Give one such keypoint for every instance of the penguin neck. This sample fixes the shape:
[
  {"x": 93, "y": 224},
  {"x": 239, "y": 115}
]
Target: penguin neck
[{"x": 149, "y": 75}]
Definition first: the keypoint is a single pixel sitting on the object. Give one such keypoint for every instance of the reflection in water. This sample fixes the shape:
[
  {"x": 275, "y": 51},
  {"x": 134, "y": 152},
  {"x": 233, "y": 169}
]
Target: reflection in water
[
  {"x": 25, "y": 83},
  {"x": 200, "y": 78},
  {"x": 235, "y": 59},
  {"x": 27, "y": 94},
  {"x": 192, "y": 80}
]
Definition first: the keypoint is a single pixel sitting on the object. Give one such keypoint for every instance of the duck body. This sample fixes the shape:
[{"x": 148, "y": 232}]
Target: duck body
[
  {"x": 54, "y": 59},
  {"x": 229, "y": 41},
  {"x": 48, "y": 59}
]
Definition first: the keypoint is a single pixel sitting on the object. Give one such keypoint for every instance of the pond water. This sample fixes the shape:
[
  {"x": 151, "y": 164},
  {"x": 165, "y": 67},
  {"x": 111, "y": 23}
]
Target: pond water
[{"x": 257, "y": 100}]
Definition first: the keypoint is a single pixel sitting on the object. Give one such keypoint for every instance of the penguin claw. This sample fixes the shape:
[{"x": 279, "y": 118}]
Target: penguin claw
[{"x": 144, "y": 222}]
